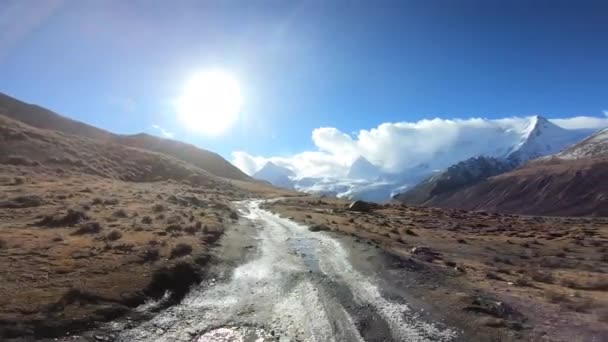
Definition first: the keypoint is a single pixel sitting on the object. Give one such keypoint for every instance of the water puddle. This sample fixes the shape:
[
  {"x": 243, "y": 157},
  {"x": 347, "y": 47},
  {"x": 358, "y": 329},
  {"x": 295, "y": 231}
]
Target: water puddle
[{"x": 306, "y": 248}]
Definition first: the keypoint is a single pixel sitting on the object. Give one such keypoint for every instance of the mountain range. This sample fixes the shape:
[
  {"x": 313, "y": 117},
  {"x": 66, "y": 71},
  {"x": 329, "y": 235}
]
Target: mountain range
[
  {"x": 468, "y": 161},
  {"x": 568, "y": 183}
]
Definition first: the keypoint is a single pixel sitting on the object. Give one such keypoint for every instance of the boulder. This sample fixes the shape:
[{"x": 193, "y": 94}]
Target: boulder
[{"x": 361, "y": 206}]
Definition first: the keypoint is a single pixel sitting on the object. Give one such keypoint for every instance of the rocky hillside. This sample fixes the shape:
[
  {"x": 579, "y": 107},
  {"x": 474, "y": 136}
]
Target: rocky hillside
[
  {"x": 465, "y": 173},
  {"x": 45, "y": 119},
  {"x": 569, "y": 183}
]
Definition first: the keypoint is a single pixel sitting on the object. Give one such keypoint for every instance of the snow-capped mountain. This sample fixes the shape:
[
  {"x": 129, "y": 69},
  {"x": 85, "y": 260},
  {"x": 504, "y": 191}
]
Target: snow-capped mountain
[
  {"x": 501, "y": 147},
  {"x": 543, "y": 138},
  {"x": 276, "y": 175},
  {"x": 361, "y": 168},
  {"x": 540, "y": 138},
  {"x": 569, "y": 183}
]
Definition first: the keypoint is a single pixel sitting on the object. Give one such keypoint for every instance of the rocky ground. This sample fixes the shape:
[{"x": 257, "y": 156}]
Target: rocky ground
[{"x": 547, "y": 277}]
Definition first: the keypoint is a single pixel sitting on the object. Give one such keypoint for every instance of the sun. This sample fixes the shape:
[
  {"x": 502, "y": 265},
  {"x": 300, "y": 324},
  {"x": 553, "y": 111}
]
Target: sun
[{"x": 210, "y": 102}]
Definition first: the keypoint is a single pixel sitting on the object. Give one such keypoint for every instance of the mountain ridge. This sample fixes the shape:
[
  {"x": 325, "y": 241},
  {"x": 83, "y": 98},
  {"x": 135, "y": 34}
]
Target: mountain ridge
[
  {"x": 43, "y": 118},
  {"x": 541, "y": 138},
  {"x": 569, "y": 183}
]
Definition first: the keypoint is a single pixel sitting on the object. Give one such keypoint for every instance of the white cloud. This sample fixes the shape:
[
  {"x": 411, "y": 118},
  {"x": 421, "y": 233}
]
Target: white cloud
[
  {"x": 582, "y": 122},
  {"x": 247, "y": 163},
  {"x": 163, "y": 131},
  {"x": 395, "y": 147}
]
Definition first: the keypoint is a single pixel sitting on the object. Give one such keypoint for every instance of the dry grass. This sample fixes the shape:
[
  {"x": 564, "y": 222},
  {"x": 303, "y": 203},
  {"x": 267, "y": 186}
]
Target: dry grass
[
  {"x": 528, "y": 262},
  {"x": 76, "y": 239}
]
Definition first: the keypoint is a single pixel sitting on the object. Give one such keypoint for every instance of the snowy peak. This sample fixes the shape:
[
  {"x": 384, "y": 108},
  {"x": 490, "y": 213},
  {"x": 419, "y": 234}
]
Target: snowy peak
[
  {"x": 541, "y": 126},
  {"x": 361, "y": 168},
  {"x": 276, "y": 175},
  {"x": 542, "y": 138}
]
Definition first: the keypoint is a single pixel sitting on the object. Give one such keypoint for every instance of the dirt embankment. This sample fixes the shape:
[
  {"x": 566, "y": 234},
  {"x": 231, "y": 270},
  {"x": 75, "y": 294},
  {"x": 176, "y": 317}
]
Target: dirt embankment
[{"x": 547, "y": 277}]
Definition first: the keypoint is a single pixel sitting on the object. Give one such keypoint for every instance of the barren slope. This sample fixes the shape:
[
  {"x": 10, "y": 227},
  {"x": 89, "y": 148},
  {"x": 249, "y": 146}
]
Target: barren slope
[{"x": 43, "y": 118}]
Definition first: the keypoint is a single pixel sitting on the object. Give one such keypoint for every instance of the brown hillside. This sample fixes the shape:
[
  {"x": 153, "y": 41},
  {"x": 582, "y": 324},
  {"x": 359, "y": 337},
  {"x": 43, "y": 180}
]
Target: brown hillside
[
  {"x": 572, "y": 188},
  {"x": 55, "y": 152},
  {"x": 43, "y": 118},
  {"x": 570, "y": 183}
]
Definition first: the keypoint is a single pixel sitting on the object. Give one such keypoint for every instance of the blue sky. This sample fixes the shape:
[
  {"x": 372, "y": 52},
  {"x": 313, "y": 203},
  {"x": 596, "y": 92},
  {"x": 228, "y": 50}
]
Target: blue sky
[{"x": 302, "y": 65}]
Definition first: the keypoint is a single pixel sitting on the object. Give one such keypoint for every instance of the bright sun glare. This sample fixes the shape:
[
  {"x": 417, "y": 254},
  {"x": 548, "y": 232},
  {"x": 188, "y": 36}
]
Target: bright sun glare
[{"x": 210, "y": 102}]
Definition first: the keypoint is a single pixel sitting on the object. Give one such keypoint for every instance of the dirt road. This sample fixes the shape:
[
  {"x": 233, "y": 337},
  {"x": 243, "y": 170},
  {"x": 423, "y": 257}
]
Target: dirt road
[{"x": 291, "y": 285}]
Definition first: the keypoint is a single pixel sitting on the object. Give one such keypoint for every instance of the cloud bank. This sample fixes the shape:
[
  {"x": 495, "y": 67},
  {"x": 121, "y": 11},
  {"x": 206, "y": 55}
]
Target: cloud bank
[{"x": 396, "y": 147}]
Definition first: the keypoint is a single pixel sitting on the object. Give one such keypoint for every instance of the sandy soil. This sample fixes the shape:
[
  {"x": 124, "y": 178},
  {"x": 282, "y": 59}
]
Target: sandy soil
[{"x": 551, "y": 271}]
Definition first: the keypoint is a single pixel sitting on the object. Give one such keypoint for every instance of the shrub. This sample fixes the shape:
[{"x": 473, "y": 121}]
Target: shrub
[
  {"x": 555, "y": 297},
  {"x": 71, "y": 218},
  {"x": 180, "y": 250},
  {"x": 114, "y": 235},
  {"x": 88, "y": 228},
  {"x": 27, "y": 201},
  {"x": 542, "y": 277},
  {"x": 175, "y": 219},
  {"x": 150, "y": 255},
  {"x": 493, "y": 276},
  {"x": 125, "y": 247},
  {"x": 146, "y": 220},
  {"x": 174, "y": 228},
  {"x": 192, "y": 229},
  {"x": 410, "y": 232},
  {"x": 157, "y": 208},
  {"x": 110, "y": 201},
  {"x": 318, "y": 228},
  {"x": 120, "y": 213}
]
